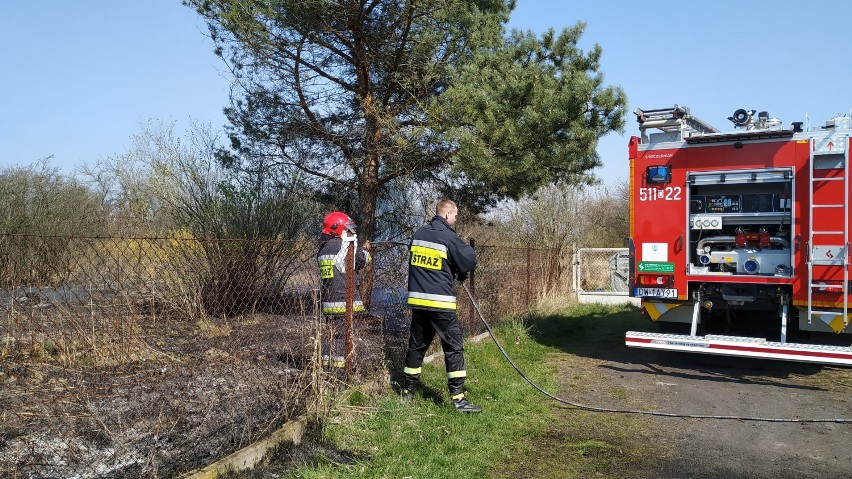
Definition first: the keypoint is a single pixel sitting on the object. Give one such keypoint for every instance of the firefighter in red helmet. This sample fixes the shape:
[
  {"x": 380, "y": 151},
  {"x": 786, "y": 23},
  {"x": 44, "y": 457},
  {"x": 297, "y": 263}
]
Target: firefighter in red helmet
[{"x": 338, "y": 233}]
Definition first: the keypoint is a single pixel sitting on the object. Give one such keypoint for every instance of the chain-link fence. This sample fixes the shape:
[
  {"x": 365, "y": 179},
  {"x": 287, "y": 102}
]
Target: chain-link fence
[
  {"x": 151, "y": 356},
  {"x": 108, "y": 300},
  {"x": 508, "y": 281},
  {"x": 141, "y": 357}
]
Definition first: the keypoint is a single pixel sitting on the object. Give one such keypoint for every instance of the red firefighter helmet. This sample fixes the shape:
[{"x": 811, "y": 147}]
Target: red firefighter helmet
[{"x": 335, "y": 222}]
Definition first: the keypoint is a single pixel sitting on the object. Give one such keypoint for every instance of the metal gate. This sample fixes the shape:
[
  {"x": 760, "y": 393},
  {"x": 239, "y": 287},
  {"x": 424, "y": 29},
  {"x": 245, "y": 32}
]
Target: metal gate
[{"x": 601, "y": 276}]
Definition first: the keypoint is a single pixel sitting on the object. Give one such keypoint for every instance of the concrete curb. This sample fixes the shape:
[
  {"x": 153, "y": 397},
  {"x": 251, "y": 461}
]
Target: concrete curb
[
  {"x": 479, "y": 337},
  {"x": 250, "y": 456}
]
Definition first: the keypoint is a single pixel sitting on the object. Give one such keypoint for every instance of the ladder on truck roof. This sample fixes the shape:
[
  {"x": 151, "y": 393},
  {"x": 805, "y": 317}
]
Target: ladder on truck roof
[
  {"x": 676, "y": 120},
  {"x": 821, "y": 253}
]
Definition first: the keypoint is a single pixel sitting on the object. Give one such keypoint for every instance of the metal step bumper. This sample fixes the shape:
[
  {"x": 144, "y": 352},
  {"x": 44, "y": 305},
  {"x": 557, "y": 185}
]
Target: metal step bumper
[{"x": 740, "y": 346}]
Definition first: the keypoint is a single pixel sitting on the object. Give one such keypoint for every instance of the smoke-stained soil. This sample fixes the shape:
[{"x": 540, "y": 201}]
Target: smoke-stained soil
[{"x": 197, "y": 392}]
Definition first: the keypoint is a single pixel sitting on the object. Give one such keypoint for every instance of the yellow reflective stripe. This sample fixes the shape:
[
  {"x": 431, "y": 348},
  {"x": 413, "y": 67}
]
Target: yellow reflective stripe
[
  {"x": 430, "y": 245},
  {"x": 434, "y": 297},
  {"x": 655, "y": 309},
  {"x": 440, "y": 301},
  {"x": 431, "y": 304},
  {"x": 458, "y": 396},
  {"x": 336, "y": 361},
  {"x": 334, "y": 308},
  {"x": 357, "y": 309},
  {"x": 408, "y": 370},
  {"x": 833, "y": 320},
  {"x": 651, "y": 309},
  {"x": 428, "y": 251},
  {"x": 820, "y": 304},
  {"x": 457, "y": 374}
]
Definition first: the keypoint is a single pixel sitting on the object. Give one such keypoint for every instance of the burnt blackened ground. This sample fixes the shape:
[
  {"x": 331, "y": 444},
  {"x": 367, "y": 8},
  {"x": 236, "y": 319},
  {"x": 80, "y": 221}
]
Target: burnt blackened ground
[{"x": 198, "y": 392}]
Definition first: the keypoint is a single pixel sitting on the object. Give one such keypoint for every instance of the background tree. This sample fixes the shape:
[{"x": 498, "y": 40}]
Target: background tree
[
  {"x": 134, "y": 184},
  {"x": 352, "y": 95},
  {"x": 563, "y": 217},
  {"x": 528, "y": 113}
]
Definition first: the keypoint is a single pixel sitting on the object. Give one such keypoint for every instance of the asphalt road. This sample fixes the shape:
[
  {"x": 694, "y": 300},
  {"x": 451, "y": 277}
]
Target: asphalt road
[{"x": 691, "y": 384}]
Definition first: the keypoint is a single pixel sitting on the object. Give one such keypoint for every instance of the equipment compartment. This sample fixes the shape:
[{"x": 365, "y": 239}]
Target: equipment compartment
[{"x": 739, "y": 222}]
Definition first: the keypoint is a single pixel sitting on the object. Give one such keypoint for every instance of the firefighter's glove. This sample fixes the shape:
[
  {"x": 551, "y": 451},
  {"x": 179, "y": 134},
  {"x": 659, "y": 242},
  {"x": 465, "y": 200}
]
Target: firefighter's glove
[
  {"x": 461, "y": 277},
  {"x": 350, "y": 238}
]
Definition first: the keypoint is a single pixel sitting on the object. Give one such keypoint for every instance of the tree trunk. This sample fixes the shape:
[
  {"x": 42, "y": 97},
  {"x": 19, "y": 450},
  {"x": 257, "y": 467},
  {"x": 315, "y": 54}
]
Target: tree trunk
[{"x": 368, "y": 196}]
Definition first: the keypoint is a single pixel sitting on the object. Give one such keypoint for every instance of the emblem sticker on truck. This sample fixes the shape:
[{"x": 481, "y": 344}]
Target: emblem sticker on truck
[
  {"x": 656, "y": 293},
  {"x": 655, "y": 252}
]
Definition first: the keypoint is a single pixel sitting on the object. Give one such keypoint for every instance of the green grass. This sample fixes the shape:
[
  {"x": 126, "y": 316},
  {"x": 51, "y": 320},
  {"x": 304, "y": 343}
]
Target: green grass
[
  {"x": 520, "y": 433},
  {"x": 578, "y": 443}
]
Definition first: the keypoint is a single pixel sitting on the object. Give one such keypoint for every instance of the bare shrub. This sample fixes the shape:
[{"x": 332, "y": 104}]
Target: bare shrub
[
  {"x": 37, "y": 200},
  {"x": 561, "y": 218}
]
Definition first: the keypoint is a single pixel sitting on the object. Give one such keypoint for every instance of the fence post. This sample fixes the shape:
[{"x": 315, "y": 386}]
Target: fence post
[
  {"x": 575, "y": 269},
  {"x": 350, "y": 299},
  {"x": 529, "y": 273},
  {"x": 316, "y": 357}
]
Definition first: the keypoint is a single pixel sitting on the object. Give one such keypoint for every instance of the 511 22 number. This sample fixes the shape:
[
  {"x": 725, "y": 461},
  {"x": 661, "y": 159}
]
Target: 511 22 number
[{"x": 669, "y": 193}]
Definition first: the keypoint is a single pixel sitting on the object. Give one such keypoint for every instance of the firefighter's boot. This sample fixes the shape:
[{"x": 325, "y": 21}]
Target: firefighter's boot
[
  {"x": 410, "y": 384},
  {"x": 461, "y": 404}
]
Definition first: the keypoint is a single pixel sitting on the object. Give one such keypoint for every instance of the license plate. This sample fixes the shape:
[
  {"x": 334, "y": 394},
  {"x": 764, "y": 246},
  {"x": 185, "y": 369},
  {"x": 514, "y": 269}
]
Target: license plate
[{"x": 656, "y": 293}]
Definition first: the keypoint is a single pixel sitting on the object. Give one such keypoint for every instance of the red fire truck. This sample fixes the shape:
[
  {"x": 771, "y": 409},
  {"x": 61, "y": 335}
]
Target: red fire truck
[{"x": 739, "y": 240}]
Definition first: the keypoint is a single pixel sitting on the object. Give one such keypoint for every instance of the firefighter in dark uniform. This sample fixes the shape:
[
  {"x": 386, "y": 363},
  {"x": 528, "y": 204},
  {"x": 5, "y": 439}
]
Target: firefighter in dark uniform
[
  {"x": 338, "y": 233},
  {"x": 438, "y": 257}
]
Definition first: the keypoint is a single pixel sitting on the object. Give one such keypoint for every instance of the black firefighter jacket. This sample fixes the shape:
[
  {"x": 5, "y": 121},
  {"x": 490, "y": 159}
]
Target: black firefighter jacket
[
  {"x": 438, "y": 256},
  {"x": 331, "y": 259}
]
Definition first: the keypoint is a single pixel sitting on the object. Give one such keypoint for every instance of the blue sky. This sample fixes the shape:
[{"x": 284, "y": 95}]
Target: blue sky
[{"x": 79, "y": 78}]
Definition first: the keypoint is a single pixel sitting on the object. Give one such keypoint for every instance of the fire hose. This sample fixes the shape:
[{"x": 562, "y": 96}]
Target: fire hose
[
  {"x": 631, "y": 411},
  {"x": 623, "y": 411}
]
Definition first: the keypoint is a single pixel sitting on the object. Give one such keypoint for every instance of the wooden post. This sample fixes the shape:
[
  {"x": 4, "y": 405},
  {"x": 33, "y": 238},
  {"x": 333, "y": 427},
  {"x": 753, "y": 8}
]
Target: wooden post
[
  {"x": 315, "y": 404},
  {"x": 529, "y": 272},
  {"x": 350, "y": 299}
]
